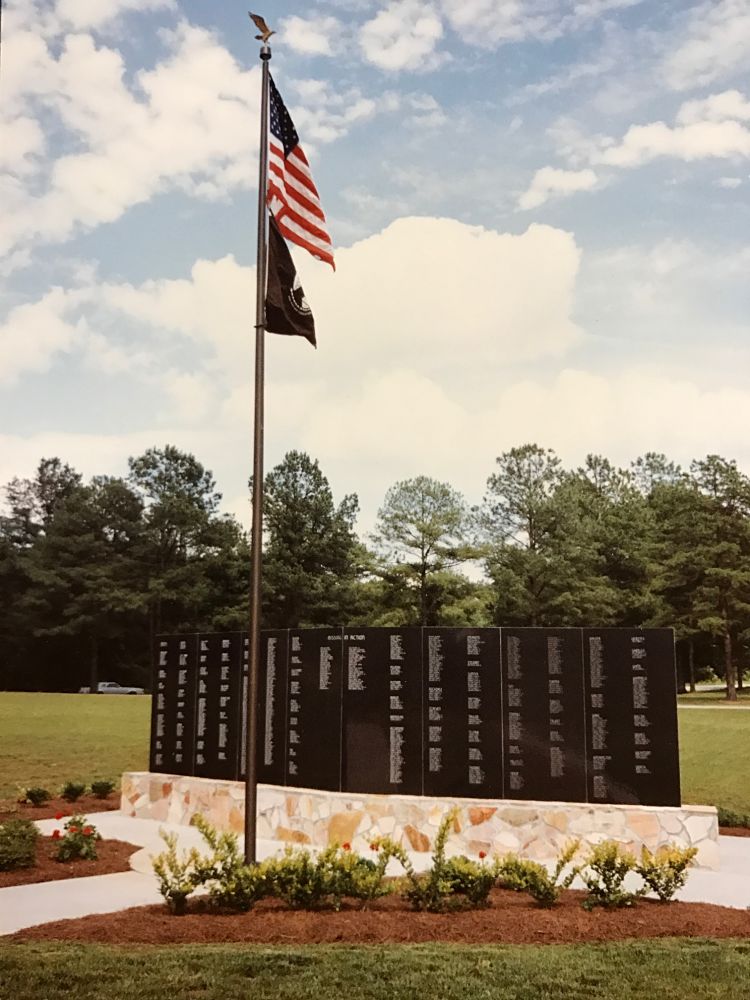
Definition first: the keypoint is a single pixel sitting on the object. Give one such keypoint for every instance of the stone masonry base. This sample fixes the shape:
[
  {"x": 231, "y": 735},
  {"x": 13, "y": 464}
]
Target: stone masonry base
[{"x": 536, "y": 830}]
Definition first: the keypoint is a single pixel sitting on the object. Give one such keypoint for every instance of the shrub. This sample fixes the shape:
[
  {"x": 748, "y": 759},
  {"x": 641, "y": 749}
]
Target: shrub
[
  {"x": 308, "y": 882},
  {"x": 359, "y": 878},
  {"x": 513, "y": 872},
  {"x": 531, "y": 877},
  {"x": 176, "y": 875},
  {"x": 666, "y": 871},
  {"x": 18, "y": 840},
  {"x": 35, "y": 795},
  {"x": 604, "y": 872},
  {"x": 305, "y": 882},
  {"x": 231, "y": 883},
  {"x": 71, "y": 791},
  {"x": 103, "y": 789},
  {"x": 79, "y": 841},
  {"x": 470, "y": 880},
  {"x": 449, "y": 883},
  {"x": 727, "y": 817}
]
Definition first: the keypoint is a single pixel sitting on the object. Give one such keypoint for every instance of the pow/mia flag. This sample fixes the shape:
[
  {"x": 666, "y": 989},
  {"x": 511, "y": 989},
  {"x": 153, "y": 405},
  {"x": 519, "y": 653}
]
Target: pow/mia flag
[{"x": 287, "y": 310}]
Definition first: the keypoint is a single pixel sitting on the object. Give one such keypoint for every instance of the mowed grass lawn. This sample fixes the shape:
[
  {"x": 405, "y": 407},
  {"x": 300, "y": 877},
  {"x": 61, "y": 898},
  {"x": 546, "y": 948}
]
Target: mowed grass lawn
[
  {"x": 715, "y": 758},
  {"x": 716, "y": 697},
  {"x": 669, "y": 970},
  {"x": 46, "y": 739}
]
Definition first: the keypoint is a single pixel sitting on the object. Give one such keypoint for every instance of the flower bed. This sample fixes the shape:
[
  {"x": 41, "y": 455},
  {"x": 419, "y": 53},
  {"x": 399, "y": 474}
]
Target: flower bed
[
  {"x": 89, "y": 804},
  {"x": 113, "y": 856}
]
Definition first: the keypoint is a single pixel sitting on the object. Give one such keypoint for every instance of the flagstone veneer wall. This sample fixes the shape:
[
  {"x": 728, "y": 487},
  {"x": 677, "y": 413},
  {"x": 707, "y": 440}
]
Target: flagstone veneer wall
[{"x": 535, "y": 829}]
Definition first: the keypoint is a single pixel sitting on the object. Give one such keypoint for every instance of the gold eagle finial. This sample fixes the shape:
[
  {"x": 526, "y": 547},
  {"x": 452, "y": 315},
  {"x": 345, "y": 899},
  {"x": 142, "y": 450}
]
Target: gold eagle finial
[{"x": 260, "y": 24}]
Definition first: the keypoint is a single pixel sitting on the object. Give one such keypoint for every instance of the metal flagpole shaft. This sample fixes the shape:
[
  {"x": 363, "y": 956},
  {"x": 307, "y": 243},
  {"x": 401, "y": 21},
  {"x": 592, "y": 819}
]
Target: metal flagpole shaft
[{"x": 256, "y": 538}]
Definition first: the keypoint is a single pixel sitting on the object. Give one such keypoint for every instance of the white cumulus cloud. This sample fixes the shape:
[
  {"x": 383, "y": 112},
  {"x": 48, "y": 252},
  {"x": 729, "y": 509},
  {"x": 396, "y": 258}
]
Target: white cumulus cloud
[
  {"x": 700, "y": 140},
  {"x": 716, "y": 44},
  {"x": 550, "y": 181},
  {"x": 402, "y": 36},
  {"x": 85, "y": 14},
  {"x": 311, "y": 36}
]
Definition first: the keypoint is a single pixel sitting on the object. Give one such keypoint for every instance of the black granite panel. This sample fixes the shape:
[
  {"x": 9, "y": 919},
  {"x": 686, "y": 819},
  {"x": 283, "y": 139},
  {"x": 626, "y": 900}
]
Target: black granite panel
[
  {"x": 462, "y": 727},
  {"x": 218, "y": 715},
  {"x": 273, "y": 683},
  {"x": 313, "y": 750},
  {"x": 173, "y": 705},
  {"x": 242, "y": 707},
  {"x": 544, "y": 748},
  {"x": 632, "y": 716},
  {"x": 382, "y": 710}
]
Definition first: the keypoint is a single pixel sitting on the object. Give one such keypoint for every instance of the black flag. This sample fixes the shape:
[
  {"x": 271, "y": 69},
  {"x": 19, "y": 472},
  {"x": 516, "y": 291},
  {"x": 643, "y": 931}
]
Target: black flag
[{"x": 287, "y": 310}]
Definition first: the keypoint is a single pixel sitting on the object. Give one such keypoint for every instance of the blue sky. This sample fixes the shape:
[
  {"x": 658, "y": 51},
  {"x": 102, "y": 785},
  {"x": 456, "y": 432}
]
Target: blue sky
[{"x": 540, "y": 210}]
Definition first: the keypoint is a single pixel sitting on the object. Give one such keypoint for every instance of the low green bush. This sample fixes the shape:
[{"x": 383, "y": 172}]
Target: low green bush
[
  {"x": 513, "y": 872},
  {"x": 727, "y": 817},
  {"x": 523, "y": 875},
  {"x": 79, "y": 841},
  {"x": 103, "y": 789},
  {"x": 666, "y": 871},
  {"x": 232, "y": 884},
  {"x": 175, "y": 874},
  {"x": 603, "y": 872},
  {"x": 432, "y": 890},
  {"x": 35, "y": 795},
  {"x": 71, "y": 791},
  {"x": 360, "y": 878},
  {"x": 305, "y": 881},
  {"x": 450, "y": 883},
  {"x": 18, "y": 842},
  {"x": 470, "y": 881}
]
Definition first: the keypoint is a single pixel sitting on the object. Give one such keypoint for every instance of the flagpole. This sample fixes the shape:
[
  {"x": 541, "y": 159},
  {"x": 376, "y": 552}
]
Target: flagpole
[{"x": 256, "y": 538}]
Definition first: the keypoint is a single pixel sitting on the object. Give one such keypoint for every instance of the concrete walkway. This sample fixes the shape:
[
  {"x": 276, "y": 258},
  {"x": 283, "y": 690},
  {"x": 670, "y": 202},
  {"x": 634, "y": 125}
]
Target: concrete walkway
[{"x": 25, "y": 905}]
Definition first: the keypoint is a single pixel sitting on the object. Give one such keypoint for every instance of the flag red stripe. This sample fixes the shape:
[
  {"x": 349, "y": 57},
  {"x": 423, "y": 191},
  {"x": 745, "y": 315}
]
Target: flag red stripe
[
  {"x": 297, "y": 166},
  {"x": 305, "y": 244},
  {"x": 286, "y": 183},
  {"x": 319, "y": 234},
  {"x": 281, "y": 212}
]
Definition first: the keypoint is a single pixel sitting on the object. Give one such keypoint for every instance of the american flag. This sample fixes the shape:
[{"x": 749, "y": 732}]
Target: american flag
[{"x": 292, "y": 195}]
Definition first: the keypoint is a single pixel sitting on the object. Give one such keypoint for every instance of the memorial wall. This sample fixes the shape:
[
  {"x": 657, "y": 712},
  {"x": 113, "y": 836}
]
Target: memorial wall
[{"x": 572, "y": 715}]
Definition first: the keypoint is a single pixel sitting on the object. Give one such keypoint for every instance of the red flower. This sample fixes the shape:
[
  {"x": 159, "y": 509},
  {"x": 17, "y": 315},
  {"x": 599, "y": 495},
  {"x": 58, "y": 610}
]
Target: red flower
[
  {"x": 482, "y": 854},
  {"x": 73, "y": 829},
  {"x": 55, "y": 834},
  {"x": 59, "y": 815},
  {"x": 374, "y": 846},
  {"x": 346, "y": 847},
  {"x": 88, "y": 830}
]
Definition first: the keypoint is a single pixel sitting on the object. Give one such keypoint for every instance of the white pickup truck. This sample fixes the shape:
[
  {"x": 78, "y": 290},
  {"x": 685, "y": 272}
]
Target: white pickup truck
[{"x": 112, "y": 687}]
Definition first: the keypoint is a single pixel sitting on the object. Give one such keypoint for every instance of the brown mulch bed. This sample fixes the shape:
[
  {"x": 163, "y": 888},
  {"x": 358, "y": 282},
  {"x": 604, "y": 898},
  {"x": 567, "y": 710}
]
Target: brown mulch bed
[
  {"x": 734, "y": 831},
  {"x": 512, "y": 919},
  {"x": 113, "y": 857},
  {"x": 10, "y": 809}
]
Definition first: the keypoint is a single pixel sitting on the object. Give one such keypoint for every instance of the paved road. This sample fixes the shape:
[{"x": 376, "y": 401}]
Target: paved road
[{"x": 26, "y": 905}]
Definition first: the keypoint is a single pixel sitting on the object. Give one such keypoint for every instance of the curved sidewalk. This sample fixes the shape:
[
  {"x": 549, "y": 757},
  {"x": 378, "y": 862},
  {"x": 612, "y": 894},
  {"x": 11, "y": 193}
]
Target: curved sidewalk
[{"x": 25, "y": 905}]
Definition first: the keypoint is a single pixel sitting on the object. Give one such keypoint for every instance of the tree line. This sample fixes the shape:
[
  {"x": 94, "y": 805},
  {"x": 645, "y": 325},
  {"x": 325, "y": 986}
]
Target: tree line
[{"x": 91, "y": 572}]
